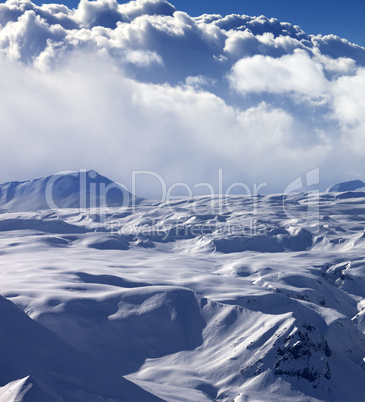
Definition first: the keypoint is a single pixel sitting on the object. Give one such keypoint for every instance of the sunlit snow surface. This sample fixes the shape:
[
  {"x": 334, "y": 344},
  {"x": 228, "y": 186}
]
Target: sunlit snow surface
[{"x": 193, "y": 301}]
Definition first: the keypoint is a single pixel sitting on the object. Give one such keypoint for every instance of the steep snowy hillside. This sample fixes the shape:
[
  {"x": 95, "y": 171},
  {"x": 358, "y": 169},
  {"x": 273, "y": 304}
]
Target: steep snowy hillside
[
  {"x": 41, "y": 367},
  {"x": 211, "y": 298}
]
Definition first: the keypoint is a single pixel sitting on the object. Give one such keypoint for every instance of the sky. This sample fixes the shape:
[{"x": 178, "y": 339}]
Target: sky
[{"x": 143, "y": 87}]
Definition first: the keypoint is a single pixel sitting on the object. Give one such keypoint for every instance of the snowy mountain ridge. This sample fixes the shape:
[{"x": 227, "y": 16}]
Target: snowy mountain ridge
[
  {"x": 259, "y": 299},
  {"x": 85, "y": 189}
]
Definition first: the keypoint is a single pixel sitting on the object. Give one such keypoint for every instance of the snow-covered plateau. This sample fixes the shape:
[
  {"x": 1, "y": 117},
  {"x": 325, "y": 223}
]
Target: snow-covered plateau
[{"x": 240, "y": 298}]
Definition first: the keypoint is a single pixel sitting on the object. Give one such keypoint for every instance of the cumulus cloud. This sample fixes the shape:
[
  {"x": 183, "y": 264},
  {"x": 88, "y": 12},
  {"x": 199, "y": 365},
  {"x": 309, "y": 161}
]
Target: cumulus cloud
[
  {"x": 296, "y": 73},
  {"x": 349, "y": 98},
  {"x": 140, "y": 85},
  {"x": 28, "y": 36},
  {"x": 98, "y": 13},
  {"x": 348, "y": 107},
  {"x": 245, "y": 43},
  {"x": 335, "y": 47},
  {"x": 75, "y": 115},
  {"x": 339, "y": 65}
]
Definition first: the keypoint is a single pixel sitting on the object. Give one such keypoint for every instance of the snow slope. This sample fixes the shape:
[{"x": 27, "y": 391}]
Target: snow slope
[{"x": 233, "y": 299}]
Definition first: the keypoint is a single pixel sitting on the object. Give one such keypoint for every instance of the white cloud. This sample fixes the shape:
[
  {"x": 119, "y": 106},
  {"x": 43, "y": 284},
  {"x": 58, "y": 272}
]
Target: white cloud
[
  {"x": 139, "y": 85},
  {"x": 142, "y": 58},
  {"x": 98, "y": 13},
  {"x": 348, "y": 110},
  {"x": 335, "y": 47},
  {"x": 28, "y": 36},
  {"x": 349, "y": 101},
  {"x": 245, "y": 44},
  {"x": 137, "y": 8},
  {"x": 340, "y": 65},
  {"x": 296, "y": 73},
  {"x": 96, "y": 117},
  {"x": 199, "y": 81}
]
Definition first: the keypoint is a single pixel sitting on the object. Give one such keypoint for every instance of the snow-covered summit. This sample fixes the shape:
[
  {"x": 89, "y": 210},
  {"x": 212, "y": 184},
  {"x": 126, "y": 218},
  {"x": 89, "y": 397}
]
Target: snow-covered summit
[
  {"x": 69, "y": 189},
  {"x": 352, "y": 185}
]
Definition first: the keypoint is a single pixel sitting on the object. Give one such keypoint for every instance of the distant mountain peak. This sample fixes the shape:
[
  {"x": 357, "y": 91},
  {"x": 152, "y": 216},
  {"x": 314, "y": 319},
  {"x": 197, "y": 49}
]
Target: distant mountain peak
[
  {"x": 352, "y": 185},
  {"x": 67, "y": 189}
]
